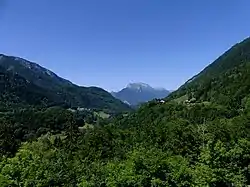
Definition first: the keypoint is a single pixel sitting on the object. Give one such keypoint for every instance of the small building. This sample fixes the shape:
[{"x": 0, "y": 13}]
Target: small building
[{"x": 162, "y": 101}]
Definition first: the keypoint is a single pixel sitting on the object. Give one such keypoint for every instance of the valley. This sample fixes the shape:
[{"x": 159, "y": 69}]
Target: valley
[{"x": 54, "y": 133}]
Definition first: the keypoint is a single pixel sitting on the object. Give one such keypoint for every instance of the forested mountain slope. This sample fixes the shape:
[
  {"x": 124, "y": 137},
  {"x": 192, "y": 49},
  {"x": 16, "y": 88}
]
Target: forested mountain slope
[
  {"x": 29, "y": 83},
  {"x": 17, "y": 91},
  {"x": 226, "y": 81}
]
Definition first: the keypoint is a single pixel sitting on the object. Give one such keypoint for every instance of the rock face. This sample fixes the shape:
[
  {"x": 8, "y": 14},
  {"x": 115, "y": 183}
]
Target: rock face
[{"x": 137, "y": 93}]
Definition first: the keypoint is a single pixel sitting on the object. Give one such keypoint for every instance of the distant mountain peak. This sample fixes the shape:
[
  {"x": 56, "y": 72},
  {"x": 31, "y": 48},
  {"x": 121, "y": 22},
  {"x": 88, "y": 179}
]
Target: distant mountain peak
[
  {"x": 138, "y": 85},
  {"x": 137, "y": 93}
]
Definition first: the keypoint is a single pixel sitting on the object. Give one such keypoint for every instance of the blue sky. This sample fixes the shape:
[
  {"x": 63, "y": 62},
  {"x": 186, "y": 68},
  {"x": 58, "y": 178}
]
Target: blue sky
[{"x": 113, "y": 42}]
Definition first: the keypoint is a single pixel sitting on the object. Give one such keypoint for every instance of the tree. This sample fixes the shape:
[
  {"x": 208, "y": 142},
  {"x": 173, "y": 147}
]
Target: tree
[{"x": 8, "y": 142}]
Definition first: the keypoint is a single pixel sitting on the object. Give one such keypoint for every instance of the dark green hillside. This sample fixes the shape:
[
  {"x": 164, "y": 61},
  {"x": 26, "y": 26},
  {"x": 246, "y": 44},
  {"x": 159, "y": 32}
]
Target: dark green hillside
[
  {"x": 30, "y": 79},
  {"x": 17, "y": 91},
  {"x": 32, "y": 72},
  {"x": 226, "y": 81}
]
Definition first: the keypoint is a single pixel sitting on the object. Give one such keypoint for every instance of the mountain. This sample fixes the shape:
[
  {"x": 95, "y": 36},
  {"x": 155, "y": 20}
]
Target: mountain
[
  {"x": 30, "y": 84},
  {"x": 136, "y": 93},
  {"x": 200, "y": 136},
  {"x": 226, "y": 81}
]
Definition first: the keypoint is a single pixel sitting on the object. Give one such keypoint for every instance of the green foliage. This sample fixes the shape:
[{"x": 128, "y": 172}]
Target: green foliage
[
  {"x": 4, "y": 182},
  {"x": 221, "y": 164},
  {"x": 29, "y": 124},
  {"x": 40, "y": 163},
  {"x": 8, "y": 142},
  {"x": 143, "y": 167}
]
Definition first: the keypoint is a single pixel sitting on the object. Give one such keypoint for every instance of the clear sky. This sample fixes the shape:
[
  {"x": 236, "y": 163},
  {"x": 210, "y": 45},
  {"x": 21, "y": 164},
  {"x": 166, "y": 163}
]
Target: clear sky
[{"x": 109, "y": 43}]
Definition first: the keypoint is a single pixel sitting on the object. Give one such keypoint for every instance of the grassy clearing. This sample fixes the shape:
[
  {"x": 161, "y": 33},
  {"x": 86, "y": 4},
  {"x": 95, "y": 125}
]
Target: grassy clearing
[{"x": 102, "y": 114}]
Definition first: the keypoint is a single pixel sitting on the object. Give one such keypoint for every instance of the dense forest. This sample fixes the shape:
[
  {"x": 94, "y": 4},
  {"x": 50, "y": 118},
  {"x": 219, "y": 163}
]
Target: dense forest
[{"x": 200, "y": 136}]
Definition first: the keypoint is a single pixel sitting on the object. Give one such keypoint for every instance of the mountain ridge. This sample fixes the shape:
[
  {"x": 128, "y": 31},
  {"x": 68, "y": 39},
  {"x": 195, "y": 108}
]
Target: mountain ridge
[{"x": 57, "y": 89}]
